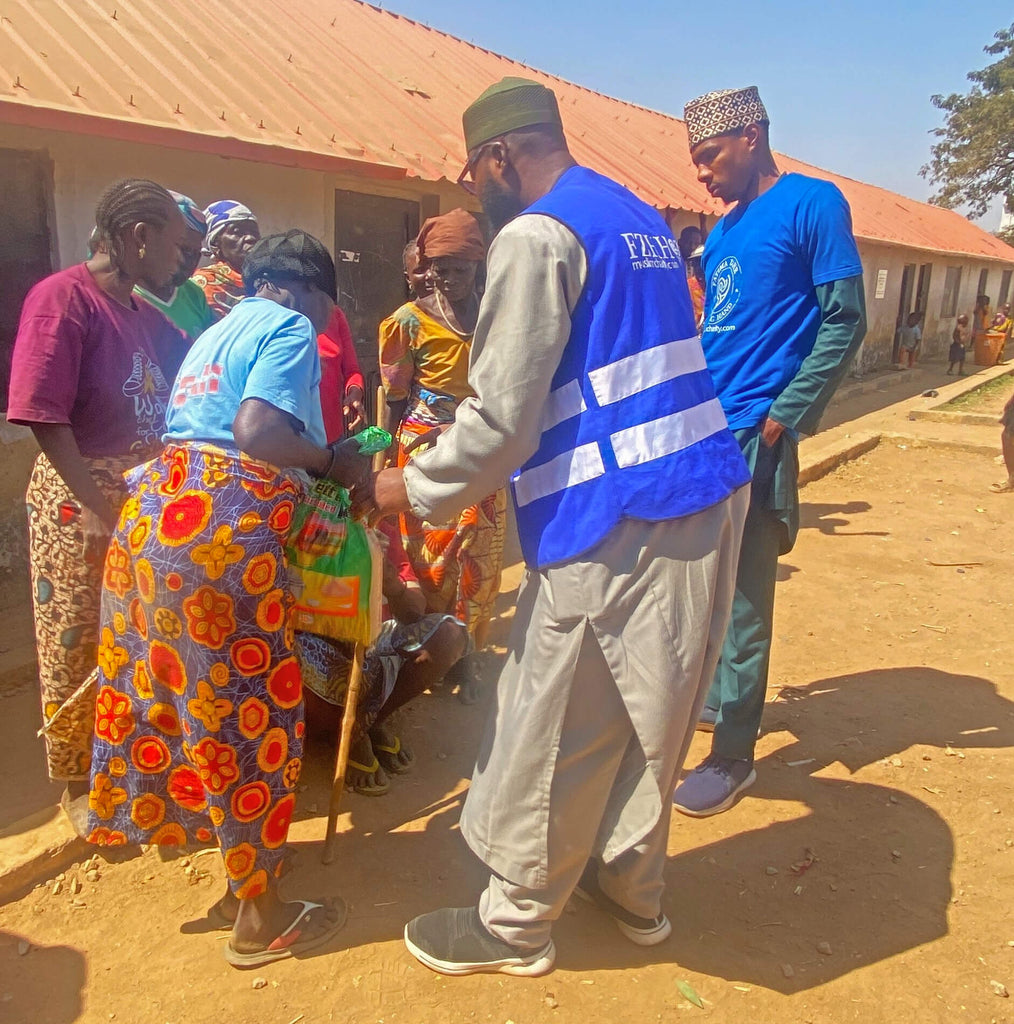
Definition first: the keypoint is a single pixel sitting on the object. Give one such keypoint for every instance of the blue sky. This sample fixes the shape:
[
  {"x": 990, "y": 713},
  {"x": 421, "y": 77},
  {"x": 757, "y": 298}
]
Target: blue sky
[{"x": 847, "y": 85}]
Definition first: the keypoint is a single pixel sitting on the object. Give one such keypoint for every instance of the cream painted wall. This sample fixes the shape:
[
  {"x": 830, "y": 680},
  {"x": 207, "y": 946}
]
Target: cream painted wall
[
  {"x": 882, "y": 314},
  {"x": 282, "y": 197}
]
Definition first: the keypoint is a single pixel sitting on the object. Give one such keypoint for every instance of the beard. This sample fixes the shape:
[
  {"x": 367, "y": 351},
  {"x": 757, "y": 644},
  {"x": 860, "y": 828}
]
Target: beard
[{"x": 500, "y": 205}]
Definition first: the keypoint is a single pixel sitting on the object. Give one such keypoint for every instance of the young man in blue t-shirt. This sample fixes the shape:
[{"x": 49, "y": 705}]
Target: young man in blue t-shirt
[{"x": 784, "y": 313}]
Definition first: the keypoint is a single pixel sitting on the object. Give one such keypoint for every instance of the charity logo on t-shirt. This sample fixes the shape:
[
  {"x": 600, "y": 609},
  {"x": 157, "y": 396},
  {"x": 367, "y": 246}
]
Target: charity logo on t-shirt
[
  {"x": 725, "y": 288},
  {"x": 764, "y": 262},
  {"x": 147, "y": 386}
]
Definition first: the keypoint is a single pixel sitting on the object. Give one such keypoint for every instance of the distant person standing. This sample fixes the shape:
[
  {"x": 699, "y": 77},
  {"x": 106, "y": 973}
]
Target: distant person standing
[
  {"x": 1000, "y": 331},
  {"x": 982, "y": 316},
  {"x": 959, "y": 342},
  {"x": 690, "y": 238},
  {"x": 784, "y": 314},
  {"x": 696, "y": 284},
  {"x": 232, "y": 232},
  {"x": 909, "y": 339},
  {"x": 690, "y": 245}
]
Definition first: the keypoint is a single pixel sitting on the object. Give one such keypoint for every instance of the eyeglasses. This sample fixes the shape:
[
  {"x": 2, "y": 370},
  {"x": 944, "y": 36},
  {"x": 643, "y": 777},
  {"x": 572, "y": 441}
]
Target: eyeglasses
[{"x": 464, "y": 178}]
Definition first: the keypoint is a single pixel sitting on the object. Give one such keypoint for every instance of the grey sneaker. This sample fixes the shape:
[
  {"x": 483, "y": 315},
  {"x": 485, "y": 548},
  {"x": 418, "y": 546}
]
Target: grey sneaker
[
  {"x": 644, "y": 931},
  {"x": 712, "y": 787},
  {"x": 454, "y": 941}
]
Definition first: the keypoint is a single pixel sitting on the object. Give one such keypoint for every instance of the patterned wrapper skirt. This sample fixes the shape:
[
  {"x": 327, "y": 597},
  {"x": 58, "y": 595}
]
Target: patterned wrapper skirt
[
  {"x": 199, "y": 713},
  {"x": 66, "y": 590},
  {"x": 458, "y": 564},
  {"x": 327, "y": 664}
]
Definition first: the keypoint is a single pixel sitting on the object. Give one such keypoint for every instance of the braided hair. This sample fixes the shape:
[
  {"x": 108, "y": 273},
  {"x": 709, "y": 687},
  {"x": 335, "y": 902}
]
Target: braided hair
[{"x": 124, "y": 204}]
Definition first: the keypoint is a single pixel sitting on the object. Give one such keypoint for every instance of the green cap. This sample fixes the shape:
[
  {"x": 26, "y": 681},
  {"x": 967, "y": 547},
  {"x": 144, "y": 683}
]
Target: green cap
[{"x": 508, "y": 106}]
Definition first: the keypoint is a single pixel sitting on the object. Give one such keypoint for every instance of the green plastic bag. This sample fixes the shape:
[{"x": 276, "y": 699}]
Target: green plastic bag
[{"x": 335, "y": 564}]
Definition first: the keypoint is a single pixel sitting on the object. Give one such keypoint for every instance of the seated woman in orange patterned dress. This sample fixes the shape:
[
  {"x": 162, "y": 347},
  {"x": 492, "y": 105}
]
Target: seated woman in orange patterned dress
[{"x": 424, "y": 351}]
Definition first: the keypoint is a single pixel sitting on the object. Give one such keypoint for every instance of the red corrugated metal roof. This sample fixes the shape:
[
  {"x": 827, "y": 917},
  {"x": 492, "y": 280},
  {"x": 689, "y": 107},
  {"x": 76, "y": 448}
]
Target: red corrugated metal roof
[{"x": 339, "y": 83}]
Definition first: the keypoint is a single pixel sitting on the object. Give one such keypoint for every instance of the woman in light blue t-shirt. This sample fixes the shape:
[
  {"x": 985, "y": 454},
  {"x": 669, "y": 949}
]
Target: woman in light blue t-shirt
[{"x": 199, "y": 723}]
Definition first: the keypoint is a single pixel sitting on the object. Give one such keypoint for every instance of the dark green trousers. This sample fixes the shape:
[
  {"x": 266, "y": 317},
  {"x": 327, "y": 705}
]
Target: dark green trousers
[{"x": 741, "y": 679}]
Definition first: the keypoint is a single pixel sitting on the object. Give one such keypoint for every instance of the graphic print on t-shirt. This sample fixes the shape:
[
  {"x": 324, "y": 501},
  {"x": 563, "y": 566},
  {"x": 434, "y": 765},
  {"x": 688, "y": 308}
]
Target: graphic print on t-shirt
[
  {"x": 147, "y": 386},
  {"x": 725, "y": 287}
]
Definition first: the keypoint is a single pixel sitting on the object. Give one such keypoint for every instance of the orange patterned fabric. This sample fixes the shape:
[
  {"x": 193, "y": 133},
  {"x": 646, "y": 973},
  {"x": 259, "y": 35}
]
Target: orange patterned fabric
[
  {"x": 458, "y": 564},
  {"x": 222, "y": 286},
  {"x": 199, "y": 714}
]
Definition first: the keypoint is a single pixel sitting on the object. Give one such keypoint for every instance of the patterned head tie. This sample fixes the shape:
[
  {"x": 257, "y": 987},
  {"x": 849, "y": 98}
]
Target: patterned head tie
[
  {"x": 717, "y": 113},
  {"x": 192, "y": 213},
  {"x": 225, "y": 211}
]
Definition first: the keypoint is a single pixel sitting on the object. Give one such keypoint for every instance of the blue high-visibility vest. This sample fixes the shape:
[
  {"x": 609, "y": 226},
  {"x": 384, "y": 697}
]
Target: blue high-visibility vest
[{"x": 632, "y": 428}]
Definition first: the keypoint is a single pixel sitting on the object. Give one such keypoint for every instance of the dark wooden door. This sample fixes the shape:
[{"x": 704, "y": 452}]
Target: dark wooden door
[
  {"x": 25, "y": 244},
  {"x": 904, "y": 307},
  {"x": 370, "y": 236}
]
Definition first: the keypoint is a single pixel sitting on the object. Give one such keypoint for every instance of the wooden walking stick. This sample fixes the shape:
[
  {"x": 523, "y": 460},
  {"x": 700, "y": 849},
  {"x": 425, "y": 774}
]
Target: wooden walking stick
[{"x": 351, "y": 707}]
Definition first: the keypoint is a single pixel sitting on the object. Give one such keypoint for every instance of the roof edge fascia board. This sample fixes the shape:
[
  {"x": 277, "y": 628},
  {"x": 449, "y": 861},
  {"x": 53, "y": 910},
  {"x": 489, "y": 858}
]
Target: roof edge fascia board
[
  {"x": 945, "y": 253},
  {"x": 55, "y": 119},
  {"x": 70, "y": 121}
]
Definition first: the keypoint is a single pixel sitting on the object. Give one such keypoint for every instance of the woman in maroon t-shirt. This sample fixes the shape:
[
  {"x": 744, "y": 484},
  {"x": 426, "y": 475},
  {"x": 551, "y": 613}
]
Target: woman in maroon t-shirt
[{"x": 91, "y": 375}]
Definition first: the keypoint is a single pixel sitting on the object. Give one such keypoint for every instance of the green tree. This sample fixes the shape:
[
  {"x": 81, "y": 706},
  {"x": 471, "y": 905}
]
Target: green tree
[{"x": 973, "y": 162}]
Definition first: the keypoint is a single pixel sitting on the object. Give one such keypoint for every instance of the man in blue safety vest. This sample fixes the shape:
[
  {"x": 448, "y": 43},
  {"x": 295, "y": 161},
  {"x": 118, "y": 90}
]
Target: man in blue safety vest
[{"x": 592, "y": 396}]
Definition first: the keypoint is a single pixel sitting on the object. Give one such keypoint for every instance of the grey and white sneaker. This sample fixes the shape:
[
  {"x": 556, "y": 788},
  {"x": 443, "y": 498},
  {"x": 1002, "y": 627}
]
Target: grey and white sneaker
[
  {"x": 713, "y": 786},
  {"x": 453, "y": 941},
  {"x": 644, "y": 931}
]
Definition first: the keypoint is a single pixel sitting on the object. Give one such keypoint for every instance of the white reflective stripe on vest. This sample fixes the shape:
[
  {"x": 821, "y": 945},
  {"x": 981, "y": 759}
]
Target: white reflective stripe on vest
[
  {"x": 661, "y": 437},
  {"x": 567, "y": 469},
  {"x": 563, "y": 404},
  {"x": 645, "y": 369}
]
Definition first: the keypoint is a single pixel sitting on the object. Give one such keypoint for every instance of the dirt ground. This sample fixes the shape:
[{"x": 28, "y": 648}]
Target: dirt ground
[{"x": 885, "y": 760}]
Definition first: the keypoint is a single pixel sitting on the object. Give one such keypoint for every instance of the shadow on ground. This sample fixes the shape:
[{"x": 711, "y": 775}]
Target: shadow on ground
[
  {"x": 43, "y": 986},
  {"x": 830, "y": 519},
  {"x": 879, "y": 885}
]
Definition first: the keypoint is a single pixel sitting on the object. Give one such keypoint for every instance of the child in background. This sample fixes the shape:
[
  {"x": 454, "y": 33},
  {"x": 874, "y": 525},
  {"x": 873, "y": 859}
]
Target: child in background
[
  {"x": 960, "y": 337},
  {"x": 910, "y": 336}
]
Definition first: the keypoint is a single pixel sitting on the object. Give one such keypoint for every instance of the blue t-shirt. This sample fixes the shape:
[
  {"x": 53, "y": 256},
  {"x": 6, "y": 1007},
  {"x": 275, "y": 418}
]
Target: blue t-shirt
[
  {"x": 260, "y": 350},
  {"x": 762, "y": 264}
]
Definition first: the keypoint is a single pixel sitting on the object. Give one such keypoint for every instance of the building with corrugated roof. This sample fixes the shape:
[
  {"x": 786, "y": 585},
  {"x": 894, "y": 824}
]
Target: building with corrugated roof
[{"x": 345, "y": 119}]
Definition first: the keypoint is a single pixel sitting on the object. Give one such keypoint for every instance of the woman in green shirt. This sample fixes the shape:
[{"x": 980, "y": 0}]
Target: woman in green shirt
[{"x": 182, "y": 301}]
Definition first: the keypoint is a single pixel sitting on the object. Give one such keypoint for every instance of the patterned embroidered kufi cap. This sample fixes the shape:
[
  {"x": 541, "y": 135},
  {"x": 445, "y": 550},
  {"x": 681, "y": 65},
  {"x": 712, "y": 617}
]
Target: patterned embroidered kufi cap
[{"x": 716, "y": 113}]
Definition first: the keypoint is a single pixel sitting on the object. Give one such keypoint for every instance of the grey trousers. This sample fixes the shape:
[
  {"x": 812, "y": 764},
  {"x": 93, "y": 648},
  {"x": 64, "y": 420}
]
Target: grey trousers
[{"x": 582, "y": 764}]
